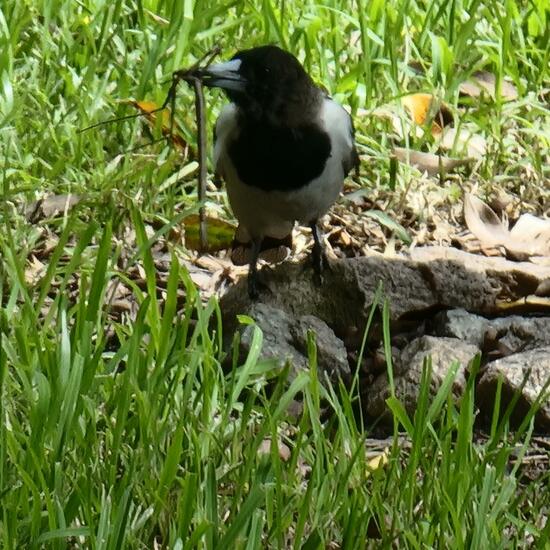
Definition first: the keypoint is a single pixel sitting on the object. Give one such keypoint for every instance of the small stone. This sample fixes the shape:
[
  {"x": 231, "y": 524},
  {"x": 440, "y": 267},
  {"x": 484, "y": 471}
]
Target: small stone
[
  {"x": 285, "y": 339},
  {"x": 408, "y": 372},
  {"x": 534, "y": 365}
]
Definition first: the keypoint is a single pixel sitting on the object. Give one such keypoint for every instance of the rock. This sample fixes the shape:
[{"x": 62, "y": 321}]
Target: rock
[
  {"x": 408, "y": 372},
  {"x": 285, "y": 338},
  {"x": 533, "y": 364},
  {"x": 426, "y": 279},
  {"x": 458, "y": 323},
  {"x": 514, "y": 333},
  {"x": 455, "y": 296},
  {"x": 523, "y": 333}
]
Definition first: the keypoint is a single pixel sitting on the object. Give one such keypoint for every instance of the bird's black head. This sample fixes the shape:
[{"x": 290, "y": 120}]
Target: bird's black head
[{"x": 264, "y": 82}]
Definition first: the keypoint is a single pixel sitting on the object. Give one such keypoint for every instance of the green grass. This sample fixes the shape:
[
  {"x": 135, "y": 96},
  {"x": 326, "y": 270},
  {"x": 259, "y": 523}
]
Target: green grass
[{"x": 127, "y": 432}]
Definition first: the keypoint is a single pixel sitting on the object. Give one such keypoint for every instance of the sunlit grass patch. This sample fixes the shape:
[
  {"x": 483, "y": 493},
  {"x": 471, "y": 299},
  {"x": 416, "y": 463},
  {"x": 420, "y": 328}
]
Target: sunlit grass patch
[{"x": 140, "y": 428}]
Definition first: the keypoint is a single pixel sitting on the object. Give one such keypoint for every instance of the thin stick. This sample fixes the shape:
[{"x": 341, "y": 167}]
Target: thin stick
[
  {"x": 181, "y": 74},
  {"x": 118, "y": 119},
  {"x": 201, "y": 143},
  {"x": 191, "y": 75}
]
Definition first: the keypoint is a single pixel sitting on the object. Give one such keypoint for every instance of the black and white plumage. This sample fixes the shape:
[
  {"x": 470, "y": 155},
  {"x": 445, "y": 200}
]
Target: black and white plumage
[{"x": 282, "y": 146}]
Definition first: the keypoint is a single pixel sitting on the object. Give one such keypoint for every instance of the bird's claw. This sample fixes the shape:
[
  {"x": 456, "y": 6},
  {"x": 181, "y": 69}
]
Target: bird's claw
[
  {"x": 255, "y": 286},
  {"x": 253, "y": 292}
]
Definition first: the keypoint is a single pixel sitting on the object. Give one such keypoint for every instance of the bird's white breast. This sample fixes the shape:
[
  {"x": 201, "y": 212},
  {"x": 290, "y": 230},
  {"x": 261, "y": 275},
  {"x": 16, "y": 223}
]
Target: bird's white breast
[{"x": 273, "y": 213}]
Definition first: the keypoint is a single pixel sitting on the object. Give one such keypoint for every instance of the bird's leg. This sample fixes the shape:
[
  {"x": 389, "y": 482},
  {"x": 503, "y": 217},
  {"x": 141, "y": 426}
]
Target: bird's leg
[
  {"x": 253, "y": 282},
  {"x": 318, "y": 254}
]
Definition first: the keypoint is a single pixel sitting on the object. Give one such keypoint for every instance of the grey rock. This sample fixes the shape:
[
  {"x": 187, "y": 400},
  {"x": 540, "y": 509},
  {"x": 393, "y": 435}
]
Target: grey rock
[
  {"x": 427, "y": 278},
  {"x": 473, "y": 289},
  {"x": 532, "y": 365},
  {"x": 285, "y": 339},
  {"x": 516, "y": 333},
  {"x": 523, "y": 333},
  {"x": 459, "y": 323},
  {"x": 444, "y": 352}
]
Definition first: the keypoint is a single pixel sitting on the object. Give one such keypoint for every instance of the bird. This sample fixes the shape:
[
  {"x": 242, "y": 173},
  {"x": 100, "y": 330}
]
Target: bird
[{"x": 282, "y": 146}]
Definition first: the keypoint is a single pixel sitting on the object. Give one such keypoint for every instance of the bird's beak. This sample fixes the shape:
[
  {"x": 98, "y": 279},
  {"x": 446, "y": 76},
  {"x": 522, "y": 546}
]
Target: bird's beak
[{"x": 224, "y": 75}]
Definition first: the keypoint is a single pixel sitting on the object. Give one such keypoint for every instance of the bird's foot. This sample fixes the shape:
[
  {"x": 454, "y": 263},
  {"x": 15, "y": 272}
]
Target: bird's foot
[
  {"x": 318, "y": 254},
  {"x": 255, "y": 286},
  {"x": 319, "y": 265}
]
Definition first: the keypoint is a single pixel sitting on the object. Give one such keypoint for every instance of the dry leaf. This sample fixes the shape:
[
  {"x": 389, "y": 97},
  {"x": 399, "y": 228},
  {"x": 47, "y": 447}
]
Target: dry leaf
[
  {"x": 345, "y": 238},
  {"x": 34, "y": 270},
  {"x": 538, "y": 303},
  {"x": 379, "y": 461},
  {"x": 483, "y": 222},
  {"x": 464, "y": 141},
  {"x": 273, "y": 250},
  {"x": 151, "y": 110},
  {"x": 428, "y": 162},
  {"x": 240, "y": 255},
  {"x": 484, "y": 81},
  {"x": 543, "y": 289},
  {"x": 265, "y": 449},
  {"x": 529, "y": 237},
  {"x": 201, "y": 277},
  {"x": 51, "y": 206},
  {"x": 423, "y": 108}
]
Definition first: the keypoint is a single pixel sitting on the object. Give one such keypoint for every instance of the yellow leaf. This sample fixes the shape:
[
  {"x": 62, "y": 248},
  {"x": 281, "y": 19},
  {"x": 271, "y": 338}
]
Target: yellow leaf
[
  {"x": 378, "y": 462},
  {"x": 150, "y": 109},
  {"x": 422, "y": 108},
  {"x": 219, "y": 233}
]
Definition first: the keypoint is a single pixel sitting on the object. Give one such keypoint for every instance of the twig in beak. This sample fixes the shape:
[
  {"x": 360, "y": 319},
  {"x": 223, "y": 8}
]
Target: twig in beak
[
  {"x": 192, "y": 76},
  {"x": 201, "y": 144}
]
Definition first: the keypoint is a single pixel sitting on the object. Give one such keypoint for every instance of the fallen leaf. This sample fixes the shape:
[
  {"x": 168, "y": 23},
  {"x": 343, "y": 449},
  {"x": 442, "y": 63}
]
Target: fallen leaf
[
  {"x": 428, "y": 162},
  {"x": 529, "y": 237},
  {"x": 424, "y": 108},
  {"x": 34, "y": 270},
  {"x": 484, "y": 81},
  {"x": 265, "y": 449},
  {"x": 503, "y": 202},
  {"x": 273, "y": 250},
  {"x": 151, "y": 110},
  {"x": 46, "y": 246},
  {"x": 345, "y": 239},
  {"x": 219, "y": 233},
  {"x": 483, "y": 222},
  {"x": 464, "y": 141},
  {"x": 240, "y": 255},
  {"x": 51, "y": 206},
  {"x": 527, "y": 303},
  {"x": 201, "y": 277},
  {"x": 543, "y": 289},
  {"x": 379, "y": 461},
  {"x": 421, "y": 108},
  {"x": 121, "y": 306}
]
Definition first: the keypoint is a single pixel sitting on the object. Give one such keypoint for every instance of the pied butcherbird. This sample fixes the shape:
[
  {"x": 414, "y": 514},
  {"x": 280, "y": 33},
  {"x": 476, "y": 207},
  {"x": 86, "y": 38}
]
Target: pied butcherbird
[{"x": 282, "y": 146}]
